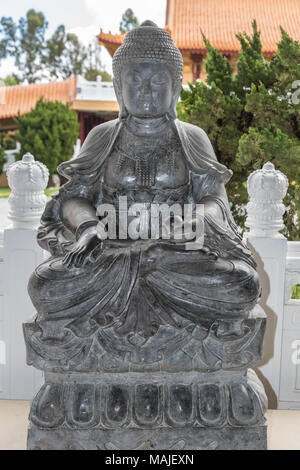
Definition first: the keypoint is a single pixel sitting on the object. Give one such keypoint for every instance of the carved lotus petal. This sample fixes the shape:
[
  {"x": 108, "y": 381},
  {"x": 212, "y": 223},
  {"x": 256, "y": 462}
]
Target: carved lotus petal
[
  {"x": 117, "y": 404},
  {"x": 180, "y": 404},
  {"x": 212, "y": 405},
  {"x": 47, "y": 407},
  {"x": 147, "y": 404}
]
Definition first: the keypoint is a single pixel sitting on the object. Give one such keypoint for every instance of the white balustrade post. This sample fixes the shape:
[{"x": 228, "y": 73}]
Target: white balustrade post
[
  {"x": 27, "y": 180},
  {"x": 267, "y": 188}
]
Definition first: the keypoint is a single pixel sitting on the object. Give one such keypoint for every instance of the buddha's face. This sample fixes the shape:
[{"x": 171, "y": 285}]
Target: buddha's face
[{"x": 147, "y": 89}]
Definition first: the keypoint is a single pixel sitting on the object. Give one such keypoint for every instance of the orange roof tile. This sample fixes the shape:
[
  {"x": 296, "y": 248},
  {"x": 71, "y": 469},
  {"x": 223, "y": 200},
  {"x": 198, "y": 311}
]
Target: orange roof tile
[
  {"x": 22, "y": 98},
  {"x": 109, "y": 38},
  {"x": 220, "y": 20}
]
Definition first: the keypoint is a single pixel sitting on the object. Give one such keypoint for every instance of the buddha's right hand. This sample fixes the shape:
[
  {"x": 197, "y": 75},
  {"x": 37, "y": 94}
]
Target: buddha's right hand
[{"x": 83, "y": 248}]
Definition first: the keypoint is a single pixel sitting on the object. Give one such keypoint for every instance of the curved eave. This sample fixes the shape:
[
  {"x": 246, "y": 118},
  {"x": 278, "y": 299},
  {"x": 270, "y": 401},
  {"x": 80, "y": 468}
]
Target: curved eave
[
  {"x": 21, "y": 99},
  {"x": 113, "y": 41},
  {"x": 222, "y": 51}
]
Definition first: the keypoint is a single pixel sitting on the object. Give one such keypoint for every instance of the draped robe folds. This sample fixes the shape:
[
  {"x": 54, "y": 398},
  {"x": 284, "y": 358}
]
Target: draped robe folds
[{"x": 135, "y": 291}]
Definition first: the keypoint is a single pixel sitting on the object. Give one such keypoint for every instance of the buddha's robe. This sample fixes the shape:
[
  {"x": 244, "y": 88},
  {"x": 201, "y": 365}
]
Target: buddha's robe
[{"x": 137, "y": 286}]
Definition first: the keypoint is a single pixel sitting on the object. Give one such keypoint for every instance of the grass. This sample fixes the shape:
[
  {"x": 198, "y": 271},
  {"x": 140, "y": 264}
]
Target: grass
[
  {"x": 50, "y": 191},
  {"x": 296, "y": 291},
  {"x": 5, "y": 192}
]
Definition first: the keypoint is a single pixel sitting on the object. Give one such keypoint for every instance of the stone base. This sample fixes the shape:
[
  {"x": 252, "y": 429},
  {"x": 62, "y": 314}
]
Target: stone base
[
  {"x": 162, "y": 411},
  {"x": 227, "y": 438}
]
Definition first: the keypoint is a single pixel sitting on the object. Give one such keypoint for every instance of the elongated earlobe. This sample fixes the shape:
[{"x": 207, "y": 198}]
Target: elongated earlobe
[
  {"x": 118, "y": 90},
  {"x": 172, "y": 111}
]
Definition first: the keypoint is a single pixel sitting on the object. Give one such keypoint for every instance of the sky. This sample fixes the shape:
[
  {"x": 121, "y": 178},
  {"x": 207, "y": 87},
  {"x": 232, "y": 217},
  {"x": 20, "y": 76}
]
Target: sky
[{"x": 84, "y": 18}]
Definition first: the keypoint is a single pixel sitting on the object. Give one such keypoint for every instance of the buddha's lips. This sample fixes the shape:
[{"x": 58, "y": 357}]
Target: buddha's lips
[{"x": 146, "y": 104}]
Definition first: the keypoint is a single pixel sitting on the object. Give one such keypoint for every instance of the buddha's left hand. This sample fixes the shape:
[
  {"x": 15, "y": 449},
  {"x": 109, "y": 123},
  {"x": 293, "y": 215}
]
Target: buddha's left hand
[{"x": 82, "y": 249}]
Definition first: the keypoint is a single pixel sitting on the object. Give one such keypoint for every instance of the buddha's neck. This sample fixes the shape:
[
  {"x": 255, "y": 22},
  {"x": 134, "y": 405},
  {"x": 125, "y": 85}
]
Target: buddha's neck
[{"x": 145, "y": 126}]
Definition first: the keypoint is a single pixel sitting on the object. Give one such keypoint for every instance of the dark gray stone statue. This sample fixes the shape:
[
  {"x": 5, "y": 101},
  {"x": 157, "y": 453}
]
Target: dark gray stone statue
[{"x": 146, "y": 342}]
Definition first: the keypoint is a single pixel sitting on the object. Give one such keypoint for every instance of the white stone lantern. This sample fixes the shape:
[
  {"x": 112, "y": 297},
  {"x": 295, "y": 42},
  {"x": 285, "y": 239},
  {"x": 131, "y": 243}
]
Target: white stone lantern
[
  {"x": 28, "y": 180},
  {"x": 266, "y": 188}
]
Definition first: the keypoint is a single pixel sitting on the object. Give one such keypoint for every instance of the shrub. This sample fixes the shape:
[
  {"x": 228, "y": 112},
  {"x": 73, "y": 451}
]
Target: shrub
[
  {"x": 49, "y": 132},
  {"x": 250, "y": 117}
]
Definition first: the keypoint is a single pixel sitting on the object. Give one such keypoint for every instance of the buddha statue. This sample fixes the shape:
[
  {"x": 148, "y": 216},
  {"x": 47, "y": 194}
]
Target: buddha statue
[
  {"x": 150, "y": 157},
  {"x": 121, "y": 304}
]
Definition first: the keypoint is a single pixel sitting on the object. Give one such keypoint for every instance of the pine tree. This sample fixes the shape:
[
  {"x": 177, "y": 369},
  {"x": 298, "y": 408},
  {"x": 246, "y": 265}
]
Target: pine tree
[
  {"x": 252, "y": 117},
  {"x": 49, "y": 132},
  {"x": 252, "y": 66},
  {"x": 218, "y": 68}
]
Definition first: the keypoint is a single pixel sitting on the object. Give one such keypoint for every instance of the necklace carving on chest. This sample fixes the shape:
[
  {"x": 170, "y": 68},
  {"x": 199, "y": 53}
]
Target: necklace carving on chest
[{"x": 143, "y": 154}]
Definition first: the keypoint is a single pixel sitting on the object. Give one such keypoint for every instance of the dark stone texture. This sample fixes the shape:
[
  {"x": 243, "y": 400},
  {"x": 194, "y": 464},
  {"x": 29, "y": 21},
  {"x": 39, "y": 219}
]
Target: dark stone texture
[
  {"x": 146, "y": 343},
  {"x": 226, "y": 438},
  {"x": 170, "y": 349}
]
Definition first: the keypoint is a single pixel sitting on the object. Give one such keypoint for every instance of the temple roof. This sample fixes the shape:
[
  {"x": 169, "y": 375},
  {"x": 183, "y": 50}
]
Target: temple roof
[
  {"x": 220, "y": 20},
  {"x": 22, "y": 98}
]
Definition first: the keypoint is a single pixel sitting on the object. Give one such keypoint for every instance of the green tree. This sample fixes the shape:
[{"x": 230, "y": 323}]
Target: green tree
[
  {"x": 73, "y": 57},
  {"x": 251, "y": 117},
  {"x": 2, "y": 158},
  {"x": 92, "y": 74},
  {"x": 28, "y": 45},
  {"x": 64, "y": 55},
  {"x": 7, "y": 36},
  {"x": 54, "y": 50},
  {"x": 35, "y": 57},
  {"x": 8, "y": 140},
  {"x": 10, "y": 80},
  {"x": 252, "y": 67},
  {"x": 93, "y": 65},
  {"x": 49, "y": 132},
  {"x": 129, "y": 21}
]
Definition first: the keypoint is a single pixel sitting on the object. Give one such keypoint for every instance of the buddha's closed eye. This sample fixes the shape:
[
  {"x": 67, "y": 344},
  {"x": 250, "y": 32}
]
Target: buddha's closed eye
[
  {"x": 159, "y": 78},
  {"x": 134, "y": 78}
]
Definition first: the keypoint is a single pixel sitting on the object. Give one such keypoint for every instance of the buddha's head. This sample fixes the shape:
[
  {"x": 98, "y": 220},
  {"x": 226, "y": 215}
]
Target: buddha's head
[{"x": 147, "y": 73}]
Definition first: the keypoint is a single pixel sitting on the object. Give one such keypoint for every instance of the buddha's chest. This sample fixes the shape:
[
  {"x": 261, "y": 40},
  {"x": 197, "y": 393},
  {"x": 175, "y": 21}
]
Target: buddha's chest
[{"x": 146, "y": 163}]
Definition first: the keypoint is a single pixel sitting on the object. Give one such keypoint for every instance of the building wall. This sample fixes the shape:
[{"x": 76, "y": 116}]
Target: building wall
[
  {"x": 196, "y": 70},
  {"x": 3, "y": 180},
  {"x": 7, "y": 125}
]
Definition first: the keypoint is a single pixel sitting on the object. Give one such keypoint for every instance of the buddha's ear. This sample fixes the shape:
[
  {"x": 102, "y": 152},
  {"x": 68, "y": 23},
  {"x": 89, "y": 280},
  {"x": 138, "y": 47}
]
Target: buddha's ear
[
  {"x": 118, "y": 90},
  {"x": 176, "y": 94}
]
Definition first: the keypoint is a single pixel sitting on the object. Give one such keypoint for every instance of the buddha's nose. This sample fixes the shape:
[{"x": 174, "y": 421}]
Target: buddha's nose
[{"x": 146, "y": 89}]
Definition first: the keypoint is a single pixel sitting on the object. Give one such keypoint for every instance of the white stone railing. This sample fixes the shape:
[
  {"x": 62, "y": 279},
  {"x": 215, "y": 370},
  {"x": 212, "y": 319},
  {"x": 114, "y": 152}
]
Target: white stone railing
[
  {"x": 279, "y": 268},
  {"x": 2, "y": 345},
  {"x": 10, "y": 155},
  {"x": 21, "y": 254},
  {"x": 278, "y": 264},
  {"x": 289, "y": 393}
]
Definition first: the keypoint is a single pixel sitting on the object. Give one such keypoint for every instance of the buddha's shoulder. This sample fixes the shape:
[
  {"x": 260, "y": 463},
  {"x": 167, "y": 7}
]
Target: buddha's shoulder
[
  {"x": 191, "y": 130},
  {"x": 103, "y": 129}
]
